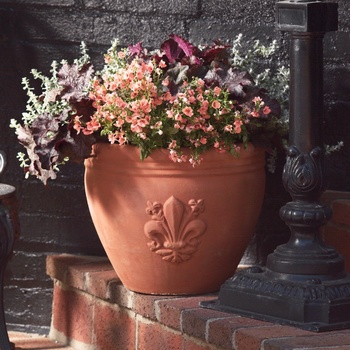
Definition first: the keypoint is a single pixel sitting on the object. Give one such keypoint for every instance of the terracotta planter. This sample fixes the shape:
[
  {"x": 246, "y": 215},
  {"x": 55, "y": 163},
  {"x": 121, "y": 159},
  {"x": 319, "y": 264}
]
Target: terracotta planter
[
  {"x": 336, "y": 232},
  {"x": 170, "y": 228}
]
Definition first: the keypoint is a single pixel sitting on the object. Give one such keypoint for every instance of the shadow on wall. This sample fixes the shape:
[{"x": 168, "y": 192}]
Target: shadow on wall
[
  {"x": 337, "y": 126},
  {"x": 19, "y": 54},
  {"x": 53, "y": 219}
]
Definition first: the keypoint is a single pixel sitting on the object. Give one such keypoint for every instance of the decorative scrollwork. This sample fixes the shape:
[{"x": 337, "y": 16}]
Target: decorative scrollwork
[
  {"x": 312, "y": 290},
  {"x": 303, "y": 173},
  {"x": 7, "y": 234},
  {"x": 174, "y": 230},
  {"x": 2, "y": 161},
  {"x": 305, "y": 214}
]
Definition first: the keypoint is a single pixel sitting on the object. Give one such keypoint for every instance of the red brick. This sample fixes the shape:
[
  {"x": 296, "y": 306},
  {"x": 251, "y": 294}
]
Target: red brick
[
  {"x": 332, "y": 340},
  {"x": 76, "y": 274},
  {"x": 34, "y": 341},
  {"x": 169, "y": 311},
  {"x": 194, "y": 321},
  {"x": 339, "y": 238},
  {"x": 142, "y": 304},
  {"x": 72, "y": 314},
  {"x": 251, "y": 338},
  {"x": 56, "y": 265},
  {"x": 145, "y": 305},
  {"x": 185, "y": 326},
  {"x": 341, "y": 211},
  {"x": 190, "y": 344},
  {"x": 118, "y": 294},
  {"x": 114, "y": 328},
  {"x": 220, "y": 332},
  {"x": 330, "y": 196},
  {"x": 97, "y": 282},
  {"x": 153, "y": 336},
  {"x": 75, "y": 277},
  {"x": 71, "y": 269},
  {"x": 331, "y": 347}
]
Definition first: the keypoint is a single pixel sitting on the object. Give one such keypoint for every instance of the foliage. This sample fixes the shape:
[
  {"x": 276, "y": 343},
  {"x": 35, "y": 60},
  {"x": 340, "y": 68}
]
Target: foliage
[{"x": 180, "y": 96}]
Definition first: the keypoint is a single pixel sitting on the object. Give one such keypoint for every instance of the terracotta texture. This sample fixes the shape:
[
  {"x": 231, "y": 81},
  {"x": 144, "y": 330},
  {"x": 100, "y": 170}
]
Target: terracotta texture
[{"x": 170, "y": 228}]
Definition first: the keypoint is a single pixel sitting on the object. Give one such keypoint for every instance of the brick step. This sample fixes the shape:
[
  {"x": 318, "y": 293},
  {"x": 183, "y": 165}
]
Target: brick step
[
  {"x": 35, "y": 342},
  {"x": 93, "y": 311},
  {"x": 336, "y": 232}
]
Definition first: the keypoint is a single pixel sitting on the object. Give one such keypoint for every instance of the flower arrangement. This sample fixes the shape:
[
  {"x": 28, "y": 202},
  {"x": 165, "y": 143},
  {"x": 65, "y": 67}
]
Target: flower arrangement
[{"x": 180, "y": 96}]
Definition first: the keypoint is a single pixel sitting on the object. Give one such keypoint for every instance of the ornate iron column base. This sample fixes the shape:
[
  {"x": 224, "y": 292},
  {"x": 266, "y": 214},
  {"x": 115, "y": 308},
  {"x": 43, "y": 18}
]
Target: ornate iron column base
[
  {"x": 304, "y": 283},
  {"x": 9, "y": 230},
  {"x": 312, "y": 305}
]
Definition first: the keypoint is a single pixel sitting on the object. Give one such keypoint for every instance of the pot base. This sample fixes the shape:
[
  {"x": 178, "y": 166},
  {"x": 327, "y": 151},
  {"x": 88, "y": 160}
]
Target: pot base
[{"x": 172, "y": 229}]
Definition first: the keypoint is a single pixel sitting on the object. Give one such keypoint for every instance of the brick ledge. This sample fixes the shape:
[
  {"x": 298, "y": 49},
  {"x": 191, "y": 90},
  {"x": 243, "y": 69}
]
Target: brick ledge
[{"x": 93, "y": 310}]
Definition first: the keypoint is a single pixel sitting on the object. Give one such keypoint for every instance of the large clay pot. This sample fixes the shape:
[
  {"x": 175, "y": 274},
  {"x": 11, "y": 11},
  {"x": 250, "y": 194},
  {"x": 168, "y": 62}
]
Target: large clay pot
[{"x": 170, "y": 228}]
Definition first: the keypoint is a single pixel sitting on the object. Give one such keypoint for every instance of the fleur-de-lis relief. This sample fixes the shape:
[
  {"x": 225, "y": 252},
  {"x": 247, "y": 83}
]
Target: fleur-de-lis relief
[{"x": 174, "y": 230}]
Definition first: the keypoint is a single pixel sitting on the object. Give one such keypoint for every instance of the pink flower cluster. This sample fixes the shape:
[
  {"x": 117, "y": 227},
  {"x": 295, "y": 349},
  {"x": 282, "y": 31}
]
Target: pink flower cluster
[
  {"x": 203, "y": 116},
  {"x": 125, "y": 103},
  {"x": 134, "y": 105},
  {"x": 181, "y": 97}
]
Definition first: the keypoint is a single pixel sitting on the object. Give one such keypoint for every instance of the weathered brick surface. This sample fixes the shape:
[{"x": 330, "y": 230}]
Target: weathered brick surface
[
  {"x": 156, "y": 336},
  {"x": 72, "y": 269},
  {"x": 251, "y": 338},
  {"x": 331, "y": 347},
  {"x": 120, "y": 295},
  {"x": 34, "y": 341},
  {"x": 169, "y": 312},
  {"x": 60, "y": 3},
  {"x": 194, "y": 321},
  {"x": 98, "y": 282},
  {"x": 144, "y": 305},
  {"x": 311, "y": 341},
  {"x": 190, "y": 344},
  {"x": 336, "y": 232},
  {"x": 339, "y": 237},
  {"x": 220, "y": 331},
  {"x": 113, "y": 328},
  {"x": 73, "y": 314},
  {"x": 89, "y": 322},
  {"x": 341, "y": 212},
  {"x": 162, "y": 7}
]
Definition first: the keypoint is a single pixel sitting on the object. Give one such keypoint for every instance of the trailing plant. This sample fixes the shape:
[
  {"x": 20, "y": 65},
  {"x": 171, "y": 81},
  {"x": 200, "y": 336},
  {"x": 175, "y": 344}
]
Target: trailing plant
[{"x": 180, "y": 96}]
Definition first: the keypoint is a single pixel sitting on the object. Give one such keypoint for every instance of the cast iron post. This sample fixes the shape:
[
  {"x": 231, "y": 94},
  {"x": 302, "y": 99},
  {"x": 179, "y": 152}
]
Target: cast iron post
[
  {"x": 8, "y": 231},
  {"x": 304, "y": 282}
]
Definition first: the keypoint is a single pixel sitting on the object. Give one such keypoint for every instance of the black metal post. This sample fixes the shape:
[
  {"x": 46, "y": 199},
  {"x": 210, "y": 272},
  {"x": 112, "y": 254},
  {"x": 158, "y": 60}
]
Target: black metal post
[
  {"x": 8, "y": 232},
  {"x": 304, "y": 283}
]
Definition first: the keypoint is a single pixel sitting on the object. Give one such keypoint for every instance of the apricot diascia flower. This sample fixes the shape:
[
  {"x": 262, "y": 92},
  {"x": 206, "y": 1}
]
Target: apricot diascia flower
[
  {"x": 216, "y": 104},
  {"x": 177, "y": 97},
  {"x": 174, "y": 98}
]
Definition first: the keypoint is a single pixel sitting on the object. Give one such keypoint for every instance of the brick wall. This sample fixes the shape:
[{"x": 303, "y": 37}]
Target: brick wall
[
  {"x": 336, "y": 232},
  {"x": 111, "y": 317},
  {"x": 34, "y": 32}
]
